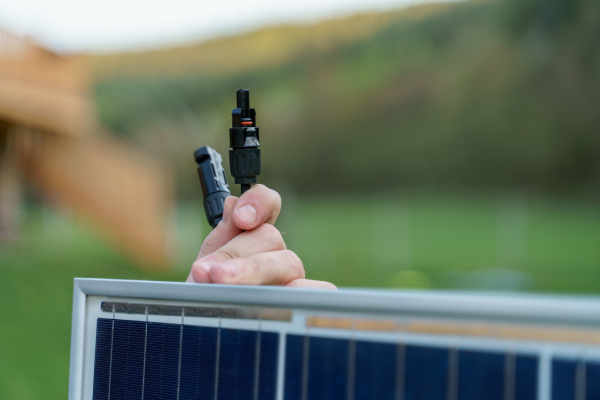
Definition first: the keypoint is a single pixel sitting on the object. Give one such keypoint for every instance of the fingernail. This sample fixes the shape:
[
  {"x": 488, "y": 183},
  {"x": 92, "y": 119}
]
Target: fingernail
[
  {"x": 247, "y": 214},
  {"x": 229, "y": 269}
]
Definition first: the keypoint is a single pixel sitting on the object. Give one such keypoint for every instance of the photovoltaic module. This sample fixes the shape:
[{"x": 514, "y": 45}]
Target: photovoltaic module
[{"x": 164, "y": 340}]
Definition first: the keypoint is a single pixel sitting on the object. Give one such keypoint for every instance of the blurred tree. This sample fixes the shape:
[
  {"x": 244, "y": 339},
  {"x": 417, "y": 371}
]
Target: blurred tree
[{"x": 482, "y": 94}]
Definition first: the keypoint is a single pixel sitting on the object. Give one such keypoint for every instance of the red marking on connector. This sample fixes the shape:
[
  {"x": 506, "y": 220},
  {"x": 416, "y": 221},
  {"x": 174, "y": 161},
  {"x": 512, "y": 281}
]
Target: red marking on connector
[{"x": 246, "y": 123}]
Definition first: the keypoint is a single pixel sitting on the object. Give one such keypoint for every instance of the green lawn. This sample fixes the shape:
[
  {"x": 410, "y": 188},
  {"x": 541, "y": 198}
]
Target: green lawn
[
  {"x": 420, "y": 241},
  {"x": 452, "y": 242},
  {"x": 36, "y": 292}
]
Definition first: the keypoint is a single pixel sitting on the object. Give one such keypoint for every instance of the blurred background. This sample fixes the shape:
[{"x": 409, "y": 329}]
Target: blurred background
[{"x": 450, "y": 145}]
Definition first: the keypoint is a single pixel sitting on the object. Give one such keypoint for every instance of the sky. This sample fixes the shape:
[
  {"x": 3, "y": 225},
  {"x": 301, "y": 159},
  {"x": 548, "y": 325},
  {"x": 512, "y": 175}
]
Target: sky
[{"x": 121, "y": 25}]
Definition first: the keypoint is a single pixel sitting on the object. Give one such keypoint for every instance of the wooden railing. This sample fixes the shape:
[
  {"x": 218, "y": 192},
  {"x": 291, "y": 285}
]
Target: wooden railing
[
  {"x": 48, "y": 117},
  {"x": 43, "y": 90},
  {"x": 126, "y": 194}
]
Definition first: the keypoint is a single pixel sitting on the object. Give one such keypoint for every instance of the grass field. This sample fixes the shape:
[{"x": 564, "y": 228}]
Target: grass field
[
  {"x": 452, "y": 242},
  {"x": 36, "y": 292}
]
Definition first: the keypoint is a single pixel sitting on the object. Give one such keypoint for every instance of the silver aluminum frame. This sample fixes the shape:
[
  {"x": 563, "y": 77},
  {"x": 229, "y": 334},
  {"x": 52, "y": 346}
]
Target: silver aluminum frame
[{"x": 529, "y": 309}]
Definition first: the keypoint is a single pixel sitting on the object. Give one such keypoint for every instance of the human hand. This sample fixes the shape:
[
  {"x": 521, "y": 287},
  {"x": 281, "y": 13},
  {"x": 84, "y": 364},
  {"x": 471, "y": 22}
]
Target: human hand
[{"x": 246, "y": 249}]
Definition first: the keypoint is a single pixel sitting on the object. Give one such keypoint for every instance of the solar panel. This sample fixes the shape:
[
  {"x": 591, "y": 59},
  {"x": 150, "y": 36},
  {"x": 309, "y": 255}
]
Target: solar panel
[{"x": 159, "y": 340}]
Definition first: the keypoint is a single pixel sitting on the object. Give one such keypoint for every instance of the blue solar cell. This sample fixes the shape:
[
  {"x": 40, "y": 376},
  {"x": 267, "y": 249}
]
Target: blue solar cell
[
  {"x": 237, "y": 364},
  {"x": 426, "y": 373},
  {"x": 269, "y": 354},
  {"x": 592, "y": 380},
  {"x": 198, "y": 363},
  {"x": 327, "y": 368},
  {"x": 375, "y": 376},
  {"x": 162, "y": 361},
  {"x": 294, "y": 355},
  {"x": 127, "y": 360},
  {"x": 122, "y": 372},
  {"x": 480, "y": 375},
  {"x": 526, "y": 381},
  {"x": 564, "y": 379},
  {"x": 102, "y": 359}
]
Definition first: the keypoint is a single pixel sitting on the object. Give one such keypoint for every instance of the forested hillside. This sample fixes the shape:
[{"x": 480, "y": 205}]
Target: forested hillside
[{"x": 479, "y": 95}]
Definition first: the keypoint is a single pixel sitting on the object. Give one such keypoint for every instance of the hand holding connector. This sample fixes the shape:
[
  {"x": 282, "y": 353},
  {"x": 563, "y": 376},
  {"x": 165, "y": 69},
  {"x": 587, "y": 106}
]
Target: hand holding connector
[
  {"x": 260, "y": 254},
  {"x": 244, "y": 160}
]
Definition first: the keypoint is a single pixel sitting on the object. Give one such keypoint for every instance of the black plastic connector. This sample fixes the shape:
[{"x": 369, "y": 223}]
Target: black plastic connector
[
  {"x": 244, "y": 152},
  {"x": 214, "y": 183}
]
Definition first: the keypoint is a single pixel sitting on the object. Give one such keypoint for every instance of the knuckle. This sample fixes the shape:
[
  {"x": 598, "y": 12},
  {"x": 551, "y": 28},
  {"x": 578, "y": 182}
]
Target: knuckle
[
  {"x": 274, "y": 195},
  {"x": 224, "y": 254},
  {"x": 271, "y": 195},
  {"x": 276, "y": 198},
  {"x": 271, "y": 235},
  {"x": 250, "y": 267},
  {"x": 295, "y": 263},
  {"x": 206, "y": 248}
]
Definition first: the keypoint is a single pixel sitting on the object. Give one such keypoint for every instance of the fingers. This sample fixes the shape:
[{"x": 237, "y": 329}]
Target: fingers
[
  {"x": 223, "y": 232},
  {"x": 257, "y": 206},
  {"x": 263, "y": 239},
  {"x": 245, "y": 248},
  {"x": 271, "y": 268},
  {"x": 312, "y": 284}
]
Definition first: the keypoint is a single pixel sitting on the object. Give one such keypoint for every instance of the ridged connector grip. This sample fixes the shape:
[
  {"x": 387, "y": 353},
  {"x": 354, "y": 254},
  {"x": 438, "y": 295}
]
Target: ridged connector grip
[
  {"x": 245, "y": 165},
  {"x": 214, "y": 183},
  {"x": 214, "y": 205}
]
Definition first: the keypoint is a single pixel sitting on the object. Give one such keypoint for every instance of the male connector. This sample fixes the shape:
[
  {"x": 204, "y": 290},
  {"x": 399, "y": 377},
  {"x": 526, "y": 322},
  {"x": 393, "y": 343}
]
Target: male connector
[
  {"x": 244, "y": 152},
  {"x": 214, "y": 183}
]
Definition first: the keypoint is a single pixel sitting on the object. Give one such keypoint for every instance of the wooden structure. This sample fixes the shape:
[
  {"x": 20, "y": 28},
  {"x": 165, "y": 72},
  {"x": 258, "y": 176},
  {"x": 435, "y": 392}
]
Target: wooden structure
[{"x": 49, "y": 136}]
